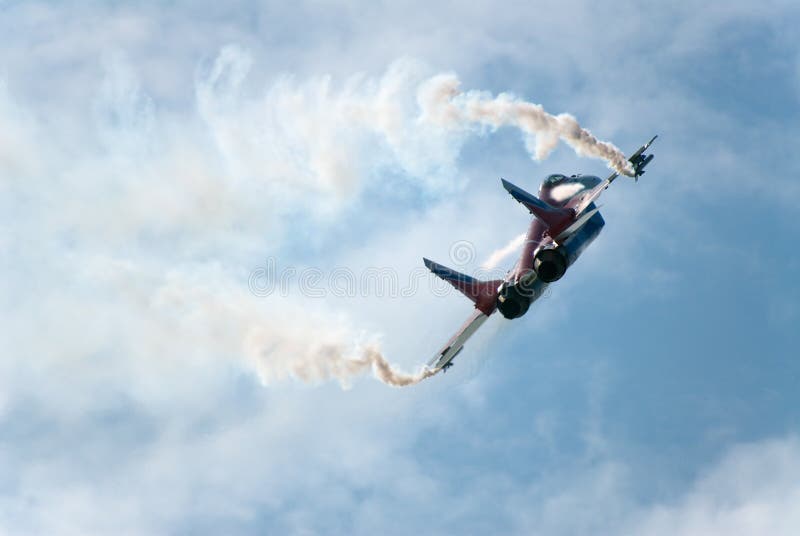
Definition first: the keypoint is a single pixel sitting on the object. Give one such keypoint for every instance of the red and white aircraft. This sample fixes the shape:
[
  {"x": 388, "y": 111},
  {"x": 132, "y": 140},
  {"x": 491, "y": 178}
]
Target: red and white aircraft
[{"x": 565, "y": 222}]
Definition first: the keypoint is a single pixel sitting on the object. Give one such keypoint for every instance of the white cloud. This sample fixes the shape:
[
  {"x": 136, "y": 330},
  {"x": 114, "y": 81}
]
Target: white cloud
[
  {"x": 753, "y": 490},
  {"x": 131, "y": 218}
]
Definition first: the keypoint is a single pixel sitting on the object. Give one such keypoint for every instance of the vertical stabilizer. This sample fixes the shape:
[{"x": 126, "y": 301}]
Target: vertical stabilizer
[
  {"x": 482, "y": 293},
  {"x": 556, "y": 219}
]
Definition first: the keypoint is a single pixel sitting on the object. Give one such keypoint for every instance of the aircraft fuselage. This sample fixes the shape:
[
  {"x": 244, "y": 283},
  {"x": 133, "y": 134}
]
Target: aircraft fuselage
[
  {"x": 566, "y": 221},
  {"x": 543, "y": 261}
]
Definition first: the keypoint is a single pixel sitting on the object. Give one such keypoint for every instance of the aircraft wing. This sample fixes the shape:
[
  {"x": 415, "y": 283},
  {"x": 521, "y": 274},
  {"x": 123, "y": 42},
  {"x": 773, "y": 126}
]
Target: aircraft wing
[
  {"x": 443, "y": 359},
  {"x": 639, "y": 161}
]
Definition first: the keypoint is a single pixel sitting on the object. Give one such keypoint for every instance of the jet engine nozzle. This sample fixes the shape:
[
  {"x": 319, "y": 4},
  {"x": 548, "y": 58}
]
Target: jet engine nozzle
[
  {"x": 550, "y": 264},
  {"x": 512, "y": 302}
]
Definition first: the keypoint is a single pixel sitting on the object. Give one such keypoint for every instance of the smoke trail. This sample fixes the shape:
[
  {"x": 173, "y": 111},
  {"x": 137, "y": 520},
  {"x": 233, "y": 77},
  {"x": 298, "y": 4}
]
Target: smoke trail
[
  {"x": 443, "y": 103},
  {"x": 333, "y": 363},
  {"x": 286, "y": 338},
  {"x": 384, "y": 371},
  {"x": 332, "y": 138},
  {"x": 331, "y": 360},
  {"x": 497, "y": 256}
]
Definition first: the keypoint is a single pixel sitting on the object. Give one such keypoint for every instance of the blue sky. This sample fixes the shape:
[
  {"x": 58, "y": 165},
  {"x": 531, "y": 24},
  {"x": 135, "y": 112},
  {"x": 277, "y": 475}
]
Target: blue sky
[{"x": 152, "y": 155}]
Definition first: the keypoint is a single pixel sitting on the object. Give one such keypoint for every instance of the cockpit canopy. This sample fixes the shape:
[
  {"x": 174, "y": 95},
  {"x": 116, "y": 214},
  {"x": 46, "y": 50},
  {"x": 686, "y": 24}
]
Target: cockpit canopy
[
  {"x": 557, "y": 188},
  {"x": 554, "y": 179}
]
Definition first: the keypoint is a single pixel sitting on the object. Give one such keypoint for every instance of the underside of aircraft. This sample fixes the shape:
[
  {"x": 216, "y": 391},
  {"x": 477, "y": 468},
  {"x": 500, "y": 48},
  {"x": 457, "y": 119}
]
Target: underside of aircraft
[{"x": 565, "y": 221}]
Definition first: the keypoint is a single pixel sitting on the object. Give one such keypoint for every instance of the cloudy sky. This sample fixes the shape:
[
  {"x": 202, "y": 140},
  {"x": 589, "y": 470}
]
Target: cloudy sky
[{"x": 155, "y": 156}]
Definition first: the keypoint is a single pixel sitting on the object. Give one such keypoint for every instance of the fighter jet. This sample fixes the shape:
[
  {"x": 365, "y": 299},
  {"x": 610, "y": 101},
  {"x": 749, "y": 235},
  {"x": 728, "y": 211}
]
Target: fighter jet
[{"x": 566, "y": 220}]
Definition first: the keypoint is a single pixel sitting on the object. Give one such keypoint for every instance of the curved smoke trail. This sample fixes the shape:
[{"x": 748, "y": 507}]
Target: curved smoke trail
[
  {"x": 286, "y": 349},
  {"x": 443, "y": 103},
  {"x": 497, "y": 256},
  {"x": 332, "y": 362}
]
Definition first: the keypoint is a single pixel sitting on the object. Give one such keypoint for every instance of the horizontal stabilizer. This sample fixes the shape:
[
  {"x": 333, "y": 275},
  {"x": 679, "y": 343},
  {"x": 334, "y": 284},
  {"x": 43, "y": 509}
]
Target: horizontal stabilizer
[
  {"x": 482, "y": 293},
  {"x": 640, "y": 167},
  {"x": 640, "y": 160},
  {"x": 553, "y": 217}
]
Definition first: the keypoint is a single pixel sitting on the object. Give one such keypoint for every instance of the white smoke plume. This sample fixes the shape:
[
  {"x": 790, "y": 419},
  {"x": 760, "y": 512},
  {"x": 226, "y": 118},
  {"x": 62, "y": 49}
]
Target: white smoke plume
[
  {"x": 282, "y": 338},
  {"x": 320, "y": 362},
  {"x": 497, "y": 256},
  {"x": 443, "y": 103},
  {"x": 331, "y": 137},
  {"x": 318, "y": 348}
]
